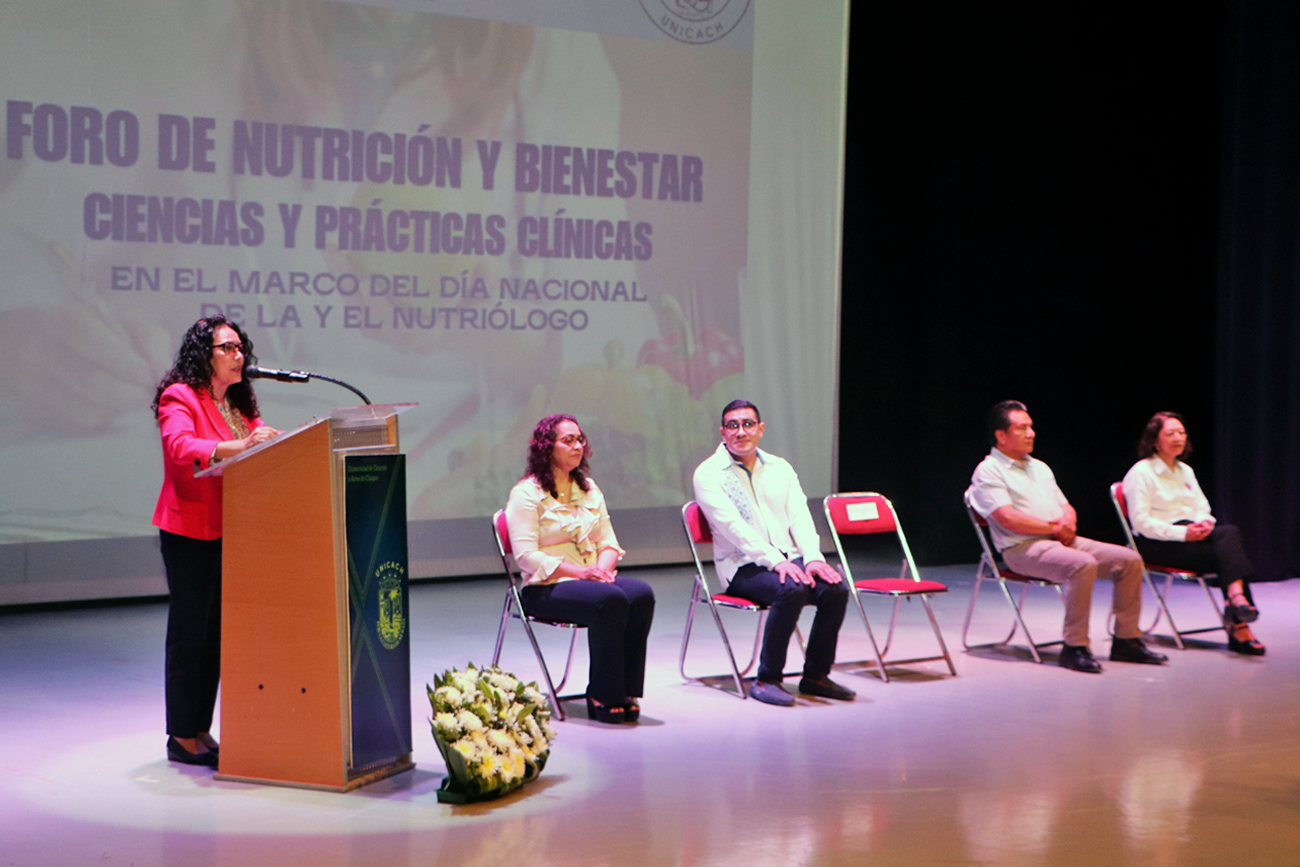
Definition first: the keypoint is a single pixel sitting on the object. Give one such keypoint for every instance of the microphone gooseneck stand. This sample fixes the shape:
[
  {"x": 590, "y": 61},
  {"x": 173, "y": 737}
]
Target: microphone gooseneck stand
[{"x": 255, "y": 372}]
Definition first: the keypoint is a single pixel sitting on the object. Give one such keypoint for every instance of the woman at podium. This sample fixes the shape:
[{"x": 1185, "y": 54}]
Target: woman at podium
[
  {"x": 206, "y": 411},
  {"x": 567, "y": 552}
]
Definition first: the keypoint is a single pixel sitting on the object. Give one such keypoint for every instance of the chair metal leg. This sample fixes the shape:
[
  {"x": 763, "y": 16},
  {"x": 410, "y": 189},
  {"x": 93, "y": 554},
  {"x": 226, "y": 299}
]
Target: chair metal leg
[
  {"x": 700, "y": 592},
  {"x": 501, "y": 631},
  {"x": 943, "y": 647},
  {"x": 738, "y": 674},
  {"x": 1018, "y": 621},
  {"x": 970, "y": 611},
  {"x": 1162, "y": 604},
  {"x": 568, "y": 662},
  {"x": 871, "y": 637},
  {"x": 546, "y": 674}
]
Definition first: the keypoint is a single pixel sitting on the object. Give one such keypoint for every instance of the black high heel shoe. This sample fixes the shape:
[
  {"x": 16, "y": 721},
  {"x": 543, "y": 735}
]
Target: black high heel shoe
[
  {"x": 631, "y": 709},
  {"x": 1243, "y": 613},
  {"x": 612, "y": 714},
  {"x": 1249, "y": 647}
]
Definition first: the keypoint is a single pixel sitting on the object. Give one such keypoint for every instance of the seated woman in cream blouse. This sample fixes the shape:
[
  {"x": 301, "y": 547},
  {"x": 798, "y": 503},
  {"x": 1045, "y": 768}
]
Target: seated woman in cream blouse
[
  {"x": 1173, "y": 526},
  {"x": 566, "y": 549}
]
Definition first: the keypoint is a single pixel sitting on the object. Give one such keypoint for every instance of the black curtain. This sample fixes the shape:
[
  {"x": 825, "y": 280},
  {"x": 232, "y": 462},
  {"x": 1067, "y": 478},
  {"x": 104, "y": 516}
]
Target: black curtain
[
  {"x": 1258, "y": 369},
  {"x": 1031, "y": 212}
]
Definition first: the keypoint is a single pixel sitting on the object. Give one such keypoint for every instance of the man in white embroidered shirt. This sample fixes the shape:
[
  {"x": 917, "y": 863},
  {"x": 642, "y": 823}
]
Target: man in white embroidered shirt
[
  {"x": 1033, "y": 525},
  {"x": 765, "y": 544}
]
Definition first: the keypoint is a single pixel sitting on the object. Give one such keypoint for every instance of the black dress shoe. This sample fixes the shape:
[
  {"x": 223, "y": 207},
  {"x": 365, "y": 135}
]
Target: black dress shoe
[
  {"x": 178, "y": 753},
  {"x": 826, "y": 688},
  {"x": 1250, "y": 647},
  {"x": 1077, "y": 657},
  {"x": 1133, "y": 650}
]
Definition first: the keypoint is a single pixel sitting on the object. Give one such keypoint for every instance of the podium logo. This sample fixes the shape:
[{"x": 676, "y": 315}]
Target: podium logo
[{"x": 392, "y": 614}]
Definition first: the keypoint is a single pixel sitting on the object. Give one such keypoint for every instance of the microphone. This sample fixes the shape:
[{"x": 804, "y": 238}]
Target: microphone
[{"x": 255, "y": 372}]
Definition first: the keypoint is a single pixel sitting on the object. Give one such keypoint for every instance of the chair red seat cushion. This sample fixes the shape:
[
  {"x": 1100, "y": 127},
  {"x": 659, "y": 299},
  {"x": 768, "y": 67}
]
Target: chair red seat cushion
[
  {"x": 899, "y": 586},
  {"x": 1170, "y": 570},
  {"x": 736, "y": 602},
  {"x": 1011, "y": 575}
]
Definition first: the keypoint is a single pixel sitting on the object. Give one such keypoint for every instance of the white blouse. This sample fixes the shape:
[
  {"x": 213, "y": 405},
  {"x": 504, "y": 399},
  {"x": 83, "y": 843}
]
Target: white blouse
[
  {"x": 1158, "y": 496},
  {"x": 545, "y": 532}
]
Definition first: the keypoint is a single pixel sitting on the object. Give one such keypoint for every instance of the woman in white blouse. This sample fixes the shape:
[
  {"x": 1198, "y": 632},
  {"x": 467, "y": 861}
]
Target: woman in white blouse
[
  {"x": 567, "y": 551},
  {"x": 1172, "y": 525}
]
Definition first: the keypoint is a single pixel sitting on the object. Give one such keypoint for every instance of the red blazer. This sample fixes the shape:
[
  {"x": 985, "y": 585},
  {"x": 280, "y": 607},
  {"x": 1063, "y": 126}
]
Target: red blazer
[{"x": 191, "y": 427}]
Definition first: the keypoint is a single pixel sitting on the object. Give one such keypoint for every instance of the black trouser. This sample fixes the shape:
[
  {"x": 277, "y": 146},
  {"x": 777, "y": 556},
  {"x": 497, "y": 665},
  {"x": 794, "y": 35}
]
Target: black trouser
[
  {"x": 785, "y": 601},
  {"x": 1220, "y": 552},
  {"x": 193, "y": 666},
  {"x": 617, "y": 617}
]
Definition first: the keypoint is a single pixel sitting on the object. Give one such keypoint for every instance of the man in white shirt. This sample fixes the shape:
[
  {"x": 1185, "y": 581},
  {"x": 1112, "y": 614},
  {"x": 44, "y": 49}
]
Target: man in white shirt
[
  {"x": 766, "y": 546},
  {"x": 1034, "y": 527}
]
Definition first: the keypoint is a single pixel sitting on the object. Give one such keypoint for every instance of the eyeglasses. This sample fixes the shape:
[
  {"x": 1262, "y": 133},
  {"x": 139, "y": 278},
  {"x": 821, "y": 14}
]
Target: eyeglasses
[
  {"x": 231, "y": 348},
  {"x": 572, "y": 440},
  {"x": 747, "y": 424}
]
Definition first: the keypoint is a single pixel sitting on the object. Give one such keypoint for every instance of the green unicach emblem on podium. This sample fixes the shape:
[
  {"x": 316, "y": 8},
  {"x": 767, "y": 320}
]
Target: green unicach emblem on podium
[{"x": 392, "y": 615}]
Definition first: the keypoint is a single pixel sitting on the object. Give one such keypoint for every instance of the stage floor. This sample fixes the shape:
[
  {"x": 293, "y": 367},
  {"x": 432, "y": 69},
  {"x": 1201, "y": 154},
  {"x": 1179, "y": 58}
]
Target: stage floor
[{"x": 1009, "y": 763}]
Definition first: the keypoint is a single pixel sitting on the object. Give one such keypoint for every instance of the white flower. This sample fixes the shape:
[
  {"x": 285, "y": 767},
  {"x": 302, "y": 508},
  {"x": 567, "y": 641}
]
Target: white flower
[
  {"x": 495, "y": 722},
  {"x": 465, "y": 681},
  {"x": 503, "y": 682},
  {"x": 490, "y": 766},
  {"x": 448, "y": 728},
  {"x": 447, "y": 697},
  {"x": 468, "y": 721},
  {"x": 500, "y": 741},
  {"x": 469, "y": 750},
  {"x": 512, "y": 766}
]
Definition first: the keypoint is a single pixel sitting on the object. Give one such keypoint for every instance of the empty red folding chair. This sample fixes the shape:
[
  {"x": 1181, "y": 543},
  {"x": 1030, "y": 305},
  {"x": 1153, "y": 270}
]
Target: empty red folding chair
[{"x": 867, "y": 514}]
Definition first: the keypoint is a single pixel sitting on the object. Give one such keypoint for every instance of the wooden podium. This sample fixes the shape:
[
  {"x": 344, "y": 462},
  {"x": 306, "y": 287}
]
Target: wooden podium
[{"x": 290, "y": 607}]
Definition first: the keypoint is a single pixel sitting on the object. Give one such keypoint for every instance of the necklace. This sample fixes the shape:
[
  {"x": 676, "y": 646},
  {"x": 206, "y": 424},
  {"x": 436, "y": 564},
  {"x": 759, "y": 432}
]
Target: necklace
[{"x": 234, "y": 420}]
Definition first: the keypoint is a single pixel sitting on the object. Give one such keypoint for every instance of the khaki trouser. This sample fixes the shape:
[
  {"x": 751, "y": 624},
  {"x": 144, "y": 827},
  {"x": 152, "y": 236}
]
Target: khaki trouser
[{"x": 1075, "y": 567}]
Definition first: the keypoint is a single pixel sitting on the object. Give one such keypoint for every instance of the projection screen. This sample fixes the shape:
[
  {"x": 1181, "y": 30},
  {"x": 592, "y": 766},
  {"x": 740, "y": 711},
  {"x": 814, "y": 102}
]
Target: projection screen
[{"x": 628, "y": 210}]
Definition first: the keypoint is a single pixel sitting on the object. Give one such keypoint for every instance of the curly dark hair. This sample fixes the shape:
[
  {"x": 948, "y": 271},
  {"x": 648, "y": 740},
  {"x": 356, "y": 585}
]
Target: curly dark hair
[
  {"x": 193, "y": 365},
  {"x": 539, "y": 456},
  {"x": 1151, "y": 433}
]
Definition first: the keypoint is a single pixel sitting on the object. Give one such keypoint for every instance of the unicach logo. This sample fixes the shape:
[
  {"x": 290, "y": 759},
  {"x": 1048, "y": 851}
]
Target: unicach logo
[{"x": 696, "y": 22}]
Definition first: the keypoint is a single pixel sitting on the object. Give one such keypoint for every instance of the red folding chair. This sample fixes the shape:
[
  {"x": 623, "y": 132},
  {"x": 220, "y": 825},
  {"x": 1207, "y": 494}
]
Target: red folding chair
[
  {"x": 514, "y": 608},
  {"x": 1121, "y": 510},
  {"x": 866, "y": 514},
  {"x": 697, "y": 534},
  {"x": 990, "y": 569}
]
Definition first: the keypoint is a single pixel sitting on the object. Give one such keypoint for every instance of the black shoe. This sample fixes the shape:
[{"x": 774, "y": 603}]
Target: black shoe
[
  {"x": 1250, "y": 647},
  {"x": 631, "y": 709},
  {"x": 1133, "y": 650},
  {"x": 824, "y": 687},
  {"x": 1244, "y": 613},
  {"x": 178, "y": 753},
  {"x": 771, "y": 693},
  {"x": 613, "y": 714},
  {"x": 1077, "y": 657}
]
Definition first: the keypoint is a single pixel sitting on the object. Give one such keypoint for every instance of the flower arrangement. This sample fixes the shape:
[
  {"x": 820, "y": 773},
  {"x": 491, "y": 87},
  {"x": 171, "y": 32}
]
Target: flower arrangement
[{"x": 494, "y": 732}]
